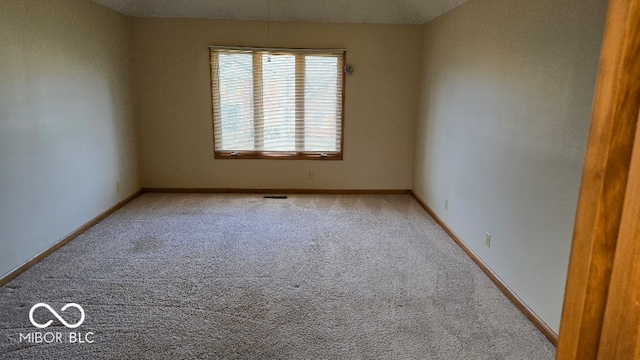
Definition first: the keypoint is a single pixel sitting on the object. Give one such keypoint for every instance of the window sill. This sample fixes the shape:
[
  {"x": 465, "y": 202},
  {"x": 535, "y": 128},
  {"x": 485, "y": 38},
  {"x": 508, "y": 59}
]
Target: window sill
[{"x": 276, "y": 155}]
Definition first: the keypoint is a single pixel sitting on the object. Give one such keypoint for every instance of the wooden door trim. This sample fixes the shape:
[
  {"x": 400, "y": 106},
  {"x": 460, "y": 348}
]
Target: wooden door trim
[
  {"x": 604, "y": 182},
  {"x": 620, "y": 330}
]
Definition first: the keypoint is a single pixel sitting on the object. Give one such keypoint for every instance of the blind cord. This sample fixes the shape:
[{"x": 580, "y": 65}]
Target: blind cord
[{"x": 268, "y": 30}]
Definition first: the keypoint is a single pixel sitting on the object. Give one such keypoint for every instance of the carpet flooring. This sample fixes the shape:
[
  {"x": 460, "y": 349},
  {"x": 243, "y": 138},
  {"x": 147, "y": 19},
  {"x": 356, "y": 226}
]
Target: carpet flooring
[{"x": 185, "y": 276}]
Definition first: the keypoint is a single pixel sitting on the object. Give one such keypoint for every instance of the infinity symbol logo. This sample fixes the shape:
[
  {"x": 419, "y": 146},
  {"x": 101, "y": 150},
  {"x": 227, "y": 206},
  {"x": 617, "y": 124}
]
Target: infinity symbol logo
[{"x": 70, "y": 326}]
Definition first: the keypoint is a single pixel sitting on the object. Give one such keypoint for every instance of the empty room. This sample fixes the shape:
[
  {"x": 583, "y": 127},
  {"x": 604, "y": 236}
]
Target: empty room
[{"x": 311, "y": 179}]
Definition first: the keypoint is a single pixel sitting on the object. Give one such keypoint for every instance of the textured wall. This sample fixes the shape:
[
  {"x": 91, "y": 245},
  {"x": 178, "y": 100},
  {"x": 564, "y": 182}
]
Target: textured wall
[
  {"x": 67, "y": 130},
  {"x": 174, "y": 102},
  {"x": 505, "y": 106}
]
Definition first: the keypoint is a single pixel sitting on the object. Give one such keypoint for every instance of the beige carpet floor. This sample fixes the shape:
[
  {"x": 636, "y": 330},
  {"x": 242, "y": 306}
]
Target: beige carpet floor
[{"x": 184, "y": 276}]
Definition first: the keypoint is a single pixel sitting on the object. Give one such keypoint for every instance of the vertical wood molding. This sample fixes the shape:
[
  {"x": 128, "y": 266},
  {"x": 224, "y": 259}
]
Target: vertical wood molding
[
  {"x": 604, "y": 182},
  {"x": 620, "y": 330}
]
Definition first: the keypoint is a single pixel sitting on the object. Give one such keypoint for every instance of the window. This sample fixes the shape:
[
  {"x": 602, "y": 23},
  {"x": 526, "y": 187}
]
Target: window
[{"x": 277, "y": 103}]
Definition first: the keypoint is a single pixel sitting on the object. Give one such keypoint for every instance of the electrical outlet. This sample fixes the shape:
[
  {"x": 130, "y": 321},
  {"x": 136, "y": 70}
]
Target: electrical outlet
[
  {"x": 446, "y": 204},
  {"x": 487, "y": 240},
  {"x": 309, "y": 174}
]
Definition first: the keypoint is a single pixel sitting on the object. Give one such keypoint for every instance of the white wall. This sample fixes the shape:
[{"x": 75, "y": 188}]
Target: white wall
[
  {"x": 174, "y": 102},
  {"x": 67, "y": 130},
  {"x": 506, "y": 94}
]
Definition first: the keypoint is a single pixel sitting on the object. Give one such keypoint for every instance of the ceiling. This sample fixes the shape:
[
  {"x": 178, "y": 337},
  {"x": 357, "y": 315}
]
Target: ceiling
[{"x": 342, "y": 11}]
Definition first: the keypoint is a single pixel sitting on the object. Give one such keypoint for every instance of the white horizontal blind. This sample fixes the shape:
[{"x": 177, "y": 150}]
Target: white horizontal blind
[{"x": 275, "y": 100}]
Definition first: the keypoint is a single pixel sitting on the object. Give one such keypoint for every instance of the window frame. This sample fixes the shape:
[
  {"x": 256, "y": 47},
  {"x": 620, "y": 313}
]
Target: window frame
[{"x": 276, "y": 155}]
